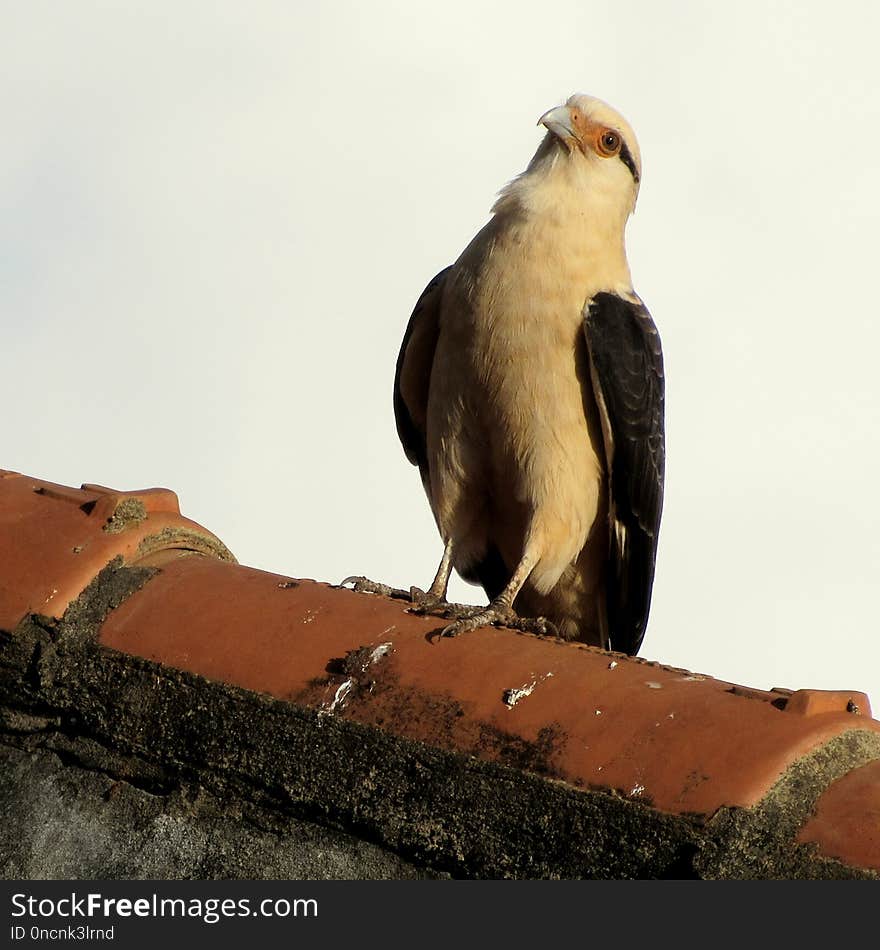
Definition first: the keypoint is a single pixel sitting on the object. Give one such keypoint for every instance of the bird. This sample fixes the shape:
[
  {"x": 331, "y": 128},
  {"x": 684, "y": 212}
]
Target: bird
[{"x": 529, "y": 392}]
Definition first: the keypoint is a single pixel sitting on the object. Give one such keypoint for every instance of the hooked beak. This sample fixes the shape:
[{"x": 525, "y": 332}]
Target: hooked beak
[{"x": 558, "y": 121}]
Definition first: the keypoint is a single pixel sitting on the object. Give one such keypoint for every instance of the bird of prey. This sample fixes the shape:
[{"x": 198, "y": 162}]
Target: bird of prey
[{"x": 529, "y": 391}]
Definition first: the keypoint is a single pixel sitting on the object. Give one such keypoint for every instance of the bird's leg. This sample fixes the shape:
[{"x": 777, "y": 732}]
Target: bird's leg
[
  {"x": 435, "y": 596},
  {"x": 441, "y": 578},
  {"x": 500, "y": 610}
]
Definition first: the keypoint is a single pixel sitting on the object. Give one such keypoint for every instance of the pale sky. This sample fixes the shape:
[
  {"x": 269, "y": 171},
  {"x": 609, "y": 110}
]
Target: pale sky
[{"x": 215, "y": 219}]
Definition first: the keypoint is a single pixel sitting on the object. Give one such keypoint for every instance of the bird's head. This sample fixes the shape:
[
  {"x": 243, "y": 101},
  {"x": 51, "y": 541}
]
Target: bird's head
[{"x": 587, "y": 130}]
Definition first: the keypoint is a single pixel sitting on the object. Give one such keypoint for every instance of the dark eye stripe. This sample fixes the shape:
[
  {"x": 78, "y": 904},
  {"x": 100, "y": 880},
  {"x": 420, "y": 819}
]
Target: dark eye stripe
[{"x": 626, "y": 157}]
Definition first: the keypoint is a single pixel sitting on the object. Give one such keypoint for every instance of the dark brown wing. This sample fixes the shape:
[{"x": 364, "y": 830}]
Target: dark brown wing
[
  {"x": 626, "y": 365},
  {"x": 413, "y": 376}
]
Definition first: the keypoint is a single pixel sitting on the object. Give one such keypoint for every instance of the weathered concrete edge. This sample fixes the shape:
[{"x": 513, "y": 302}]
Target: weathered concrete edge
[
  {"x": 62, "y": 820},
  {"x": 146, "y": 723}
]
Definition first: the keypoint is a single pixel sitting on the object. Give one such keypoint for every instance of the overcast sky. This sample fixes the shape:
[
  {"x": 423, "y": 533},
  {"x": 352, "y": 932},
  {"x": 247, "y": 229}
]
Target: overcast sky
[{"x": 215, "y": 219}]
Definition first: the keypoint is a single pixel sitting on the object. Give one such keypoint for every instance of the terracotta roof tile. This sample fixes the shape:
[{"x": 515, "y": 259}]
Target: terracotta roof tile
[
  {"x": 846, "y": 822},
  {"x": 684, "y": 742},
  {"x": 55, "y": 539}
]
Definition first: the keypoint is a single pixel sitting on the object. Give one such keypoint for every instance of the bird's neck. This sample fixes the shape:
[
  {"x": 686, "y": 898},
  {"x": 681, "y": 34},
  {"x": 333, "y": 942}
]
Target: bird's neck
[{"x": 561, "y": 207}]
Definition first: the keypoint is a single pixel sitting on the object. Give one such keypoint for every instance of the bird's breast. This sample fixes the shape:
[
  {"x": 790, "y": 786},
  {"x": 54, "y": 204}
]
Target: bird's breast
[
  {"x": 535, "y": 406},
  {"x": 524, "y": 438}
]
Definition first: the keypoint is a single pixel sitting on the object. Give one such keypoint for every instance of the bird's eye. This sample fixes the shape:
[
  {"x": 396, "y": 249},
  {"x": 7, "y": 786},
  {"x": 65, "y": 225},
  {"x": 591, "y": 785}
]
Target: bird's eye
[{"x": 609, "y": 142}]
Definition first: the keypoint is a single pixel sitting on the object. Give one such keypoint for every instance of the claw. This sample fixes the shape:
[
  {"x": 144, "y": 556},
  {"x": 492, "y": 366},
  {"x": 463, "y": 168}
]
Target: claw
[
  {"x": 540, "y": 625},
  {"x": 481, "y": 617},
  {"x": 464, "y": 625},
  {"x": 363, "y": 585},
  {"x": 464, "y": 618},
  {"x": 423, "y": 603},
  {"x": 502, "y": 617}
]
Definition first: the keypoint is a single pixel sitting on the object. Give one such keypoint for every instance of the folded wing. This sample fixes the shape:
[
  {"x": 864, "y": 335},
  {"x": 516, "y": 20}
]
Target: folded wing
[
  {"x": 626, "y": 365},
  {"x": 412, "y": 378}
]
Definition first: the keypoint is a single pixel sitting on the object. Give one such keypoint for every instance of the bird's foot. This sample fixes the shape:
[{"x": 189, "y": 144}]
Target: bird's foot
[
  {"x": 465, "y": 617},
  {"x": 539, "y": 625},
  {"x": 363, "y": 585},
  {"x": 424, "y": 602},
  {"x": 469, "y": 618}
]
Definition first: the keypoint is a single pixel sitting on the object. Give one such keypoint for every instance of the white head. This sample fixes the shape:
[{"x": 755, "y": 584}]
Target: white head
[
  {"x": 589, "y": 128},
  {"x": 590, "y": 150}
]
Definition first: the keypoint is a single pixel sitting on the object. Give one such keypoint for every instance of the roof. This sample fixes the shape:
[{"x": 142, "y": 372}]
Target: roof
[{"x": 494, "y": 754}]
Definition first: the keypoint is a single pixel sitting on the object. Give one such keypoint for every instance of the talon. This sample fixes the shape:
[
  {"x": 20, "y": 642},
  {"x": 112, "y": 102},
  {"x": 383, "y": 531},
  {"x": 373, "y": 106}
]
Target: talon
[
  {"x": 425, "y": 601},
  {"x": 469, "y": 618},
  {"x": 465, "y": 625},
  {"x": 363, "y": 585},
  {"x": 539, "y": 625},
  {"x": 472, "y": 617}
]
